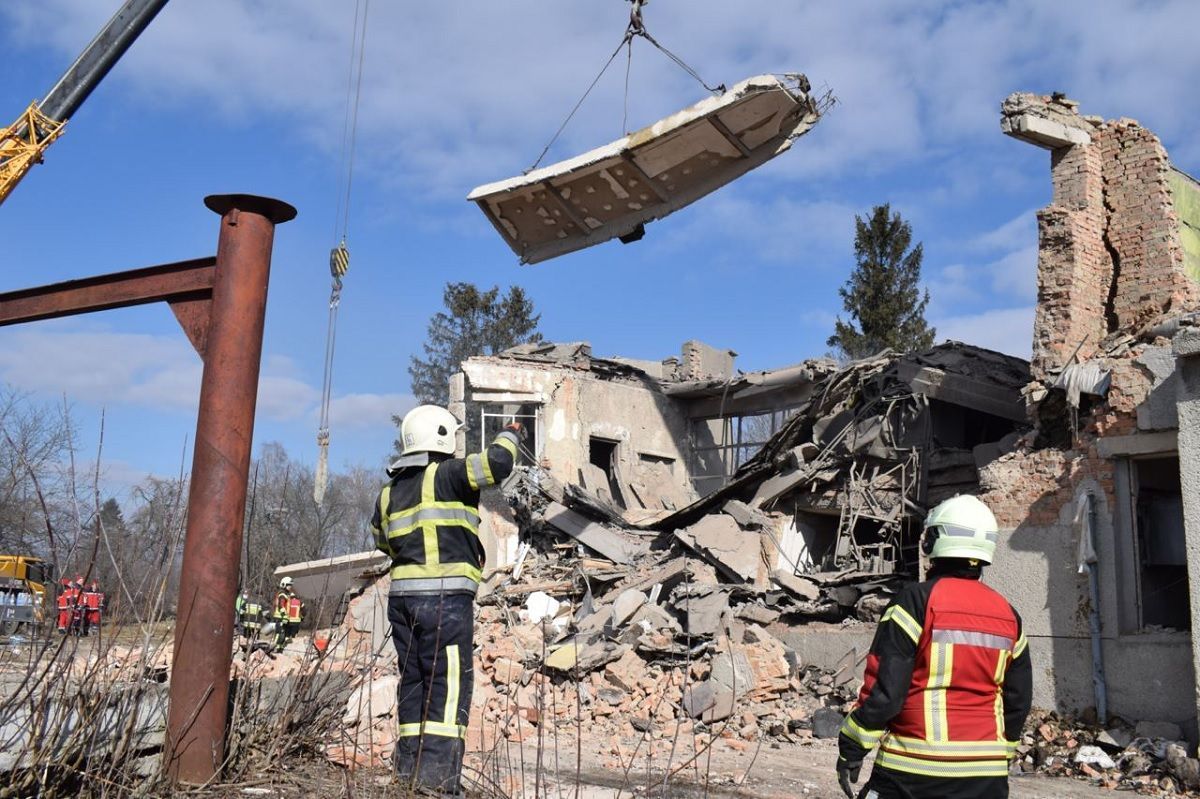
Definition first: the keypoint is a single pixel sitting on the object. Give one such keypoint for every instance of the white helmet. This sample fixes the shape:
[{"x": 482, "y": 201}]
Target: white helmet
[
  {"x": 428, "y": 428},
  {"x": 286, "y": 582},
  {"x": 961, "y": 527}
]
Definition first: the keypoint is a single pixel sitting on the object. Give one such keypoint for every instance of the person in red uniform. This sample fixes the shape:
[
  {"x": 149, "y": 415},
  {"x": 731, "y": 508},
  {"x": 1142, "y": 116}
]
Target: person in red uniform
[
  {"x": 948, "y": 680},
  {"x": 94, "y": 600},
  {"x": 77, "y": 607},
  {"x": 64, "y": 606}
]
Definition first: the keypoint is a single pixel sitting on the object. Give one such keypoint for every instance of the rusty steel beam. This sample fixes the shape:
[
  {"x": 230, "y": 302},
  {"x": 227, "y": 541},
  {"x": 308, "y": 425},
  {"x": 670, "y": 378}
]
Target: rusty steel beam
[
  {"x": 186, "y": 280},
  {"x": 198, "y": 710}
]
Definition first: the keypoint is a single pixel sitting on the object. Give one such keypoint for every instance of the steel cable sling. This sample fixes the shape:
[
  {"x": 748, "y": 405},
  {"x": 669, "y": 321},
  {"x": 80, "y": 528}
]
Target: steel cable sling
[
  {"x": 635, "y": 28},
  {"x": 339, "y": 256}
]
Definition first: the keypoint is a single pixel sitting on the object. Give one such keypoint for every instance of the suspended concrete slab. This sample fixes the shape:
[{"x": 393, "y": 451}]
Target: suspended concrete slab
[{"x": 613, "y": 191}]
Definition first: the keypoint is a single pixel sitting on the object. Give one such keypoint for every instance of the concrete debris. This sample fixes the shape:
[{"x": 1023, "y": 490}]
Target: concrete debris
[
  {"x": 1119, "y": 758},
  {"x": 736, "y": 553}
]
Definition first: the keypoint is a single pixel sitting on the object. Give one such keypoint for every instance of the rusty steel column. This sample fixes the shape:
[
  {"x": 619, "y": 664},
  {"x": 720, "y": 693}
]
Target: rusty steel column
[{"x": 198, "y": 710}]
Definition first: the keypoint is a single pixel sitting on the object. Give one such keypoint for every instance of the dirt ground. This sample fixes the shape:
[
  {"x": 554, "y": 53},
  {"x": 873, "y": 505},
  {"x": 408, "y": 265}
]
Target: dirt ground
[{"x": 769, "y": 772}]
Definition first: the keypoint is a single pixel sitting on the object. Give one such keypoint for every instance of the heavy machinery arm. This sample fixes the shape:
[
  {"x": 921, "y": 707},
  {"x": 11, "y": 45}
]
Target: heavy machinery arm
[{"x": 23, "y": 143}]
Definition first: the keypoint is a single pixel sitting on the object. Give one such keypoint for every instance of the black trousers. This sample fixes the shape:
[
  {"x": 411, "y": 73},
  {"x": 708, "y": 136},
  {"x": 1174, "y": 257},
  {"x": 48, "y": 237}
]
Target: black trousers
[
  {"x": 886, "y": 783},
  {"x": 434, "y": 637}
]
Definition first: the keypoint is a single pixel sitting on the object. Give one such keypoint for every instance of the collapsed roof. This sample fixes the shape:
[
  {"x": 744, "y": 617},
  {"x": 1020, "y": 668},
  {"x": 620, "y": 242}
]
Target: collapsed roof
[{"x": 612, "y": 191}]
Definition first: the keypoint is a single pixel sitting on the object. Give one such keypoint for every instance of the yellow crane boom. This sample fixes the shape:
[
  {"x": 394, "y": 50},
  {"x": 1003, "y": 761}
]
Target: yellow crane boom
[{"x": 23, "y": 143}]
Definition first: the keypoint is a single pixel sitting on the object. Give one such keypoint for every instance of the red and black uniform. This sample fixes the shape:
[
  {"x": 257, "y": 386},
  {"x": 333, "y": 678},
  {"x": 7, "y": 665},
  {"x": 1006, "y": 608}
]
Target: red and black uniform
[
  {"x": 427, "y": 521},
  {"x": 65, "y": 603},
  {"x": 948, "y": 685}
]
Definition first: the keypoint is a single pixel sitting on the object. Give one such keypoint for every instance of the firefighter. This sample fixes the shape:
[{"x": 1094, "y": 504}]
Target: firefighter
[
  {"x": 64, "y": 607},
  {"x": 92, "y": 602},
  {"x": 250, "y": 619},
  {"x": 289, "y": 612},
  {"x": 78, "y": 609},
  {"x": 427, "y": 521},
  {"x": 948, "y": 679}
]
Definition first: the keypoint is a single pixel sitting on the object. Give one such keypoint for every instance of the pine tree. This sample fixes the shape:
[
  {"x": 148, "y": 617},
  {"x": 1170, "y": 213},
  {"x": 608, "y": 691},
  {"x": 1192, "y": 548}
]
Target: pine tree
[
  {"x": 883, "y": 295},
  {"x": 474, "y": 323}
]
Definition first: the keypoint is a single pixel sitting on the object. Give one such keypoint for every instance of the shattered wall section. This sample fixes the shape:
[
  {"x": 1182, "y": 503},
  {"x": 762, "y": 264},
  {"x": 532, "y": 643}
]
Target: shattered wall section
[
  {"x": 1111, "y": 247},
  {"x": 1143, "y": 228}
]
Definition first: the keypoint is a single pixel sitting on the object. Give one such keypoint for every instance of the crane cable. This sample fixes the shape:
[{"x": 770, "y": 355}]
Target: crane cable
[
  {"x": 339, "y": 256},
  {"x": 635, "y": 28}
]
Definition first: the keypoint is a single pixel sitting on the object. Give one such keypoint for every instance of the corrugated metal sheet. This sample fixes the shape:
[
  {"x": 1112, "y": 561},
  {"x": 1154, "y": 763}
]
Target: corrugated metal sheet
[{"x": 614, "y": 190}]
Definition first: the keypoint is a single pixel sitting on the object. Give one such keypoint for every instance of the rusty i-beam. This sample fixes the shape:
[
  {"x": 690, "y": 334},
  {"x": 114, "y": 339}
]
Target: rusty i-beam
[{"x": 220, "y": 303}]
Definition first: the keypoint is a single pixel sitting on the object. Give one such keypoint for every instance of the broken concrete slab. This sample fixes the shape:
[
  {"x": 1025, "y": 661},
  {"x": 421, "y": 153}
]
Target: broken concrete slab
[
  {"x": 609, "y": 543},
  {"x": 731, "y": 669},
  {"x": 628, "y": 603},
  {"x": 703, "y": 608},
  {"x": 795, "y": 584},
  {"x": 826, "y": 722},
  {"x": 735, "y": 552},
  {"x": 577, "y": 657},
  {"x": 744, "y": 515},
  {"x": 652, "y": 617},
  {"x": 614, "y": 190}
]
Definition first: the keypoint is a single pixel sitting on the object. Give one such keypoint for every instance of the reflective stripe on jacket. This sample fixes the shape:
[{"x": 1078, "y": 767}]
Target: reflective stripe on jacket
[
  {"x": 948, "y": 683},
  {"x": 427, "y": 520}
]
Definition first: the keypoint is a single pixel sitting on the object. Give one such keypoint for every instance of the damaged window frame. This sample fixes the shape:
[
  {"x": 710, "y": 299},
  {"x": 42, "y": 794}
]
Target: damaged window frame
[{"x": 1132, "y": 549}]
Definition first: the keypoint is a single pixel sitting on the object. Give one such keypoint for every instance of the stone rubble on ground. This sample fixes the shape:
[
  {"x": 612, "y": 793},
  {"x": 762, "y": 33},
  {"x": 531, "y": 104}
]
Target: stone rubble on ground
[{"x": 1120, "y": 757}]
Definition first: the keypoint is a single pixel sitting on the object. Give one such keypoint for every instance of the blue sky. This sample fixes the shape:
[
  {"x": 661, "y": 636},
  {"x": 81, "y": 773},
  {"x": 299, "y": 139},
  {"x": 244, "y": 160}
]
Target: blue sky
[{"x": 248, "y": 96}]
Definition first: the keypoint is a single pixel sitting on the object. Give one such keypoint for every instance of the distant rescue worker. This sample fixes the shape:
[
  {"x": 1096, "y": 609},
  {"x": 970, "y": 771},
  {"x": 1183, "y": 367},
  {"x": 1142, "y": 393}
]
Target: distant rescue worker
[
  {"x": 948, "y": 678},
  {"x": 65, "y": 604},
  {"x": 78, "y": 608},
  {"x": 289, "y": 612},
  {"x": 250, "y": 618},
  {"x": 93, "y": 602},
  {"x": 427, "y": 521},
  {"x": 239, "y": 605}
]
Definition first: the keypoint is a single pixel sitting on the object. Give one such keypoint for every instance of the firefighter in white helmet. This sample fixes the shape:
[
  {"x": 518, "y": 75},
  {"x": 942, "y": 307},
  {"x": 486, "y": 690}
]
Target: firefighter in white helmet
[
  {"x": 289, "y": 613},
  {"x": 427, "y": 521},
  {"x": 948, "y": 679}
]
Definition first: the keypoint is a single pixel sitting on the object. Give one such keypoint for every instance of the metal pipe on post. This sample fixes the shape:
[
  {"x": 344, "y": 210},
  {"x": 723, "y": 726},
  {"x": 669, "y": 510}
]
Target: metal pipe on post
[{"x": 198, "y": 713}]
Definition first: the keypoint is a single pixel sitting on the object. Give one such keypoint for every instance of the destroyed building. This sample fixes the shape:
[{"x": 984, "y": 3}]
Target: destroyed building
[
  {"x": 848, "y": 447},
  {"x": 1109, "y": 476},
  {"x": 674, "y": 509}
]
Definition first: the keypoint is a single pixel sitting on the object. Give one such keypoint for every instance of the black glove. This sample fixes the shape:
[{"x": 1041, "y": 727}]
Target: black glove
[{"x": 848, "y": 771}]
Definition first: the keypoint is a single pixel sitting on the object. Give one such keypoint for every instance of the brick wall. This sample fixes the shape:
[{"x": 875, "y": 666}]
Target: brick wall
[
  {"x": 1110, "y": 256},
  {"x": 1143, "y": 227}
]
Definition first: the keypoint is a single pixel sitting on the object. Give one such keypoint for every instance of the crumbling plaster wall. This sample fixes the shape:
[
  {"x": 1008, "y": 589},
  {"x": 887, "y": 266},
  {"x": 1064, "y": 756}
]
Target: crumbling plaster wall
[
  {"x": 1034, "y": 495},
  {"x": 1187, "y": 349},
  {"x": 1113, "y": 248},
  {"x": 575, "y": 406}
]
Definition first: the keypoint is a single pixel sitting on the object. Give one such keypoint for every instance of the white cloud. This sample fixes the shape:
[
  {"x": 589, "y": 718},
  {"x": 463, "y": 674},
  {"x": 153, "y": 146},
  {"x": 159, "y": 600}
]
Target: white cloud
[
  {"x": 1007, "y": 330},
  {"x": 368, "y": 410},
  {"x": 778, "y": 229},
  {"x": 1004, "y": 270},
  {"x": 105, "y": 368}
]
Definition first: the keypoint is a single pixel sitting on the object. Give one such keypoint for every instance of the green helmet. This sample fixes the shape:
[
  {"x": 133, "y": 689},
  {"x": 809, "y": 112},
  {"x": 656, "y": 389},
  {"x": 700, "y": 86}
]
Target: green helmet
[{"x": 961, "y": 527}]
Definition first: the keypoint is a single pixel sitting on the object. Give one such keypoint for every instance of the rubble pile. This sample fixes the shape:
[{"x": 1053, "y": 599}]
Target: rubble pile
[
  {"x": 655, "y": 617},
  {"x": 1150, "y": 758}
]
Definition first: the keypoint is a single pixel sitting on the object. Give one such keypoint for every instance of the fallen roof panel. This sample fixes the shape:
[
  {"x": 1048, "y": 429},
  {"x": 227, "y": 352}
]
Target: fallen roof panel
[{"x": 614, "y": 190}]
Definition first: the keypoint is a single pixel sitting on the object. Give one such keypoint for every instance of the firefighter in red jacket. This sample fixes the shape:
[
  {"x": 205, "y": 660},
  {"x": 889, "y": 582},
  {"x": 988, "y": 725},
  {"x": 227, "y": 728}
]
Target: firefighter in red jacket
[
  {"x": 427, "y": 521},
  {"x": 65, "y": 604},
  {"x": 948, "y": 679},
  {"x": 93, "y": 601}
]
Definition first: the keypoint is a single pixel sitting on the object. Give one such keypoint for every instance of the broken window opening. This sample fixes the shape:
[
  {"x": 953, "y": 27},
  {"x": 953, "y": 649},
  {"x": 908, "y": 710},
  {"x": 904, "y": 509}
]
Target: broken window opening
[
  {"x": 721, "y": 445},
  {"x": 1162, "y": 577},
  {"x": 959, "y": 427},
  {"x": 494, "y": 417},
  {"x": 602, "y": 453}
]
